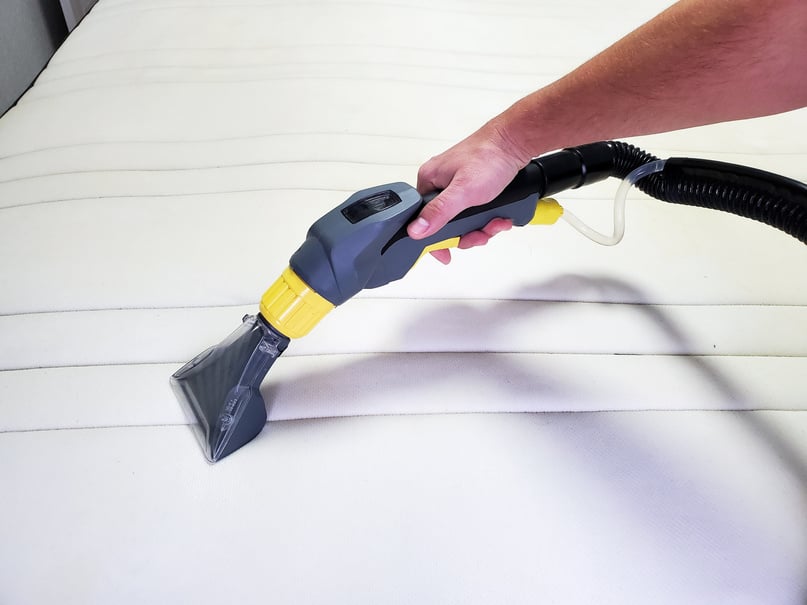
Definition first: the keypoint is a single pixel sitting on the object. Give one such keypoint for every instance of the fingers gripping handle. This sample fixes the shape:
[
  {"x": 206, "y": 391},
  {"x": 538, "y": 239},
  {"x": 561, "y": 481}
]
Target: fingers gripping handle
[{"x": 566, "y": 169}]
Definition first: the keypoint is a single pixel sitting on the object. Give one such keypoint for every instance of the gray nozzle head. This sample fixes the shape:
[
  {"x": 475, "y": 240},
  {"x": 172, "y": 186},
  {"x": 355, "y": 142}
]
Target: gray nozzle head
[{"x": 219, "y": 389}]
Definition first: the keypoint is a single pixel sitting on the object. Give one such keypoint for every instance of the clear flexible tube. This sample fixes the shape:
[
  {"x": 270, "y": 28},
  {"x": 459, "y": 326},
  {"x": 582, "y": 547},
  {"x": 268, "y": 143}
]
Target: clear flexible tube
[{"x": 619, "y": 206}]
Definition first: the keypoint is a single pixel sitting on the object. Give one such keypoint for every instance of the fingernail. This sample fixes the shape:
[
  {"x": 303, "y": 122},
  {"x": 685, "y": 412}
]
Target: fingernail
[{"x": 418, "y": 226}]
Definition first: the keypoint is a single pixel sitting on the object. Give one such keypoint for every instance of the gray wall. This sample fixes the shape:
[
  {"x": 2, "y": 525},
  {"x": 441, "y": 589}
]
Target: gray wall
[{"x": 30, "y": 32}]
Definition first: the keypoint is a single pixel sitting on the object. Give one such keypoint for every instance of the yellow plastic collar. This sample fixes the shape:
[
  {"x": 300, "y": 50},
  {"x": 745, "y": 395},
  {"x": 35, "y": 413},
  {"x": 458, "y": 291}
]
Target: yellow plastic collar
[{"x": 292, "y": 307}]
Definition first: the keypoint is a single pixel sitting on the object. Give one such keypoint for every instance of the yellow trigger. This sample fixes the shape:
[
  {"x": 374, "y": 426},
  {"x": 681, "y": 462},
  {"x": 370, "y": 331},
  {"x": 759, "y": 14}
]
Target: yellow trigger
[
  {"x": 451, "y": 242},
  {"x": 547, "y": 212}
]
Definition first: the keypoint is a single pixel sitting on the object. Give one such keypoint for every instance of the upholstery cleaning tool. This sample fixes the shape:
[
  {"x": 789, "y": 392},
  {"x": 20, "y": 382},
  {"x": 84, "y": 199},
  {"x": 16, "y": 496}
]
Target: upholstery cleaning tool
[{"x": 363, "y": 243}]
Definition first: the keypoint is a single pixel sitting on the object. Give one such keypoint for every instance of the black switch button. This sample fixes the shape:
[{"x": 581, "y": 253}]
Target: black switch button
[{"x": 370, "y": 205}]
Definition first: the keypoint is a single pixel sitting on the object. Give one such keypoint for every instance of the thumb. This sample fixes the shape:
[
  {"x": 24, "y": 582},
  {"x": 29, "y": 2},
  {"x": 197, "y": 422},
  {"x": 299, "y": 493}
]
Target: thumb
[{"x": 435, "y": 214}]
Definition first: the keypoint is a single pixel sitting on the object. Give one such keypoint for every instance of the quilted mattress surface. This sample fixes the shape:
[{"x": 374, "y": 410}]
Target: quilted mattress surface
[{"x": 545, "y": 420}]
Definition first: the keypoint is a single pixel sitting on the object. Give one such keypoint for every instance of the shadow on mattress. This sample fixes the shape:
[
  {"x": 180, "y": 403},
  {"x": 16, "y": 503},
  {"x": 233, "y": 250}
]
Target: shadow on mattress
[{"x": 530, "y": 382}]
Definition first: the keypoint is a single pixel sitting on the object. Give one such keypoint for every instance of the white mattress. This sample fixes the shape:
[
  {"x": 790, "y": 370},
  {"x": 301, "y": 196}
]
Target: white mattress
[{"x": 545, "y": 420}]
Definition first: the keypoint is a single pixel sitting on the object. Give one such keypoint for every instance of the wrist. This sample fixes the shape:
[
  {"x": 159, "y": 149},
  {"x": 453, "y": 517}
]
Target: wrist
[
  {"x": 532, "y": 126},
  {"x": 509, "y": 138}
]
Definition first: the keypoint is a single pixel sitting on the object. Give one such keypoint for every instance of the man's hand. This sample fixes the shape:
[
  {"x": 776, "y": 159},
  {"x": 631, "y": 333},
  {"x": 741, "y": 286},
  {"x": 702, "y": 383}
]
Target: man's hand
[{"x": 471, "y": 173}]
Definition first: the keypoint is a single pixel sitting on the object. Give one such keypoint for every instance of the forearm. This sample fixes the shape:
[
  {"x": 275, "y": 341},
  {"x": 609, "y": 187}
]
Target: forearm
[{"x": 699, "y": 62}]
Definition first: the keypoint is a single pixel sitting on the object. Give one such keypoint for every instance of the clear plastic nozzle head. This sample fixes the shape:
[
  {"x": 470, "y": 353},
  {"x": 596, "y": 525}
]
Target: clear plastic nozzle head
[{"x": 219, "y": 389}]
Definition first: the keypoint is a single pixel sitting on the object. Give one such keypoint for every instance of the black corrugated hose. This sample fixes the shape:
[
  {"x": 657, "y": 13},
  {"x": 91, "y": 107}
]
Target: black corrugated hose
[{"x": 772, "y": 199}]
